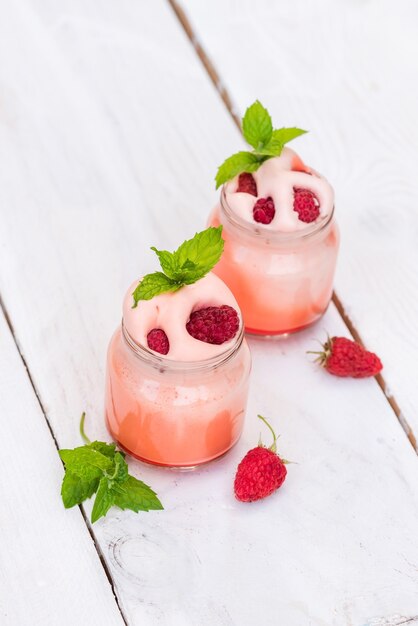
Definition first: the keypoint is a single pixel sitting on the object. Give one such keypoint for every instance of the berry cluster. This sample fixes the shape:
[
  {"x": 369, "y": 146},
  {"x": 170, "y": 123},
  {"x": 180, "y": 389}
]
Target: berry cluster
[
  {"x": 212, "y": 324},
  {"x": 305, "y": 203}
]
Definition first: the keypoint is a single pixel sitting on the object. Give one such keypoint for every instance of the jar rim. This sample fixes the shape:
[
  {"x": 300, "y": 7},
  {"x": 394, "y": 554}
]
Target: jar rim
[
  {"x": 271, "y": 235},
  {"x": 162, "y": 363}
]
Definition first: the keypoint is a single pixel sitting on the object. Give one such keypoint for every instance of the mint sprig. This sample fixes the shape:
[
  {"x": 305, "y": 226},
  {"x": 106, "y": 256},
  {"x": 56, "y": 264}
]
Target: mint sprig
[
  {"x": 185, "y": 266},
  {"x": 266, "y": 142},
  {"x": 100, "y": 468},
  {"x": 257, "y": 126}
]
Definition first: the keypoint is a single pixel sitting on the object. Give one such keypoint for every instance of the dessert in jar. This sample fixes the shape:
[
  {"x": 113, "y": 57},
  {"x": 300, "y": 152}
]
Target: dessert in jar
[
  {"x": 178, "y": 366},
  {"x": 281, "y": 238}
]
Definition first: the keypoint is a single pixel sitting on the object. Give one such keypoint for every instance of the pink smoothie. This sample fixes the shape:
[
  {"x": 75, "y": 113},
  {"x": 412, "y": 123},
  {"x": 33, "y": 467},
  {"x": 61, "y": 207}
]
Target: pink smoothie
[
  {"x": 280, "y": 273},
  {"x": 184, "y": 408}
]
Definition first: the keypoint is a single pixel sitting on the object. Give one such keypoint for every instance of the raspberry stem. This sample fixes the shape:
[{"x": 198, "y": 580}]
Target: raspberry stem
[
  {"x": 324, "y": 355},
  {"x": 273, "y": 447}
]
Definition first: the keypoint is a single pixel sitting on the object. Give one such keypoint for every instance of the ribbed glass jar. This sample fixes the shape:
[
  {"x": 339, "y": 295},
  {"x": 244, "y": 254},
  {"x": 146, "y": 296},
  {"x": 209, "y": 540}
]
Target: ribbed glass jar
[
  {"x": 282, "y": 281},
  {"x": 173, "y": 413}
]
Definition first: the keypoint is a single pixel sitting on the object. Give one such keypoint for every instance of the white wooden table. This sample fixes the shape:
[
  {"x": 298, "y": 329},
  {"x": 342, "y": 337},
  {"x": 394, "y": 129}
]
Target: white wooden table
[{"x": 111, "y": 129}]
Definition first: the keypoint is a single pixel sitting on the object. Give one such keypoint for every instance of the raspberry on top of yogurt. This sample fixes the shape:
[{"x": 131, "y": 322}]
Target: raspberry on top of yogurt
[
  {"x": 270, "y": 186},
  {"x": 299, "y": 197},
  {"x": 186, "y": 312}
]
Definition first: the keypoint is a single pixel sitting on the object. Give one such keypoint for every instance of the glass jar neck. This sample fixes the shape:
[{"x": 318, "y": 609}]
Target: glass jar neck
[
  {"x": 265, "y": 235},
  {"x": 162, "y": 363}
]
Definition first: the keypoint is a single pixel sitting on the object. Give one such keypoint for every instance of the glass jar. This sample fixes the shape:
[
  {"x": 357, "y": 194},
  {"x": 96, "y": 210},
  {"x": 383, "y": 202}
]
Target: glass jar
[
  {"x": 172, "y": 413},
  {"x": 282, "y": 281}
]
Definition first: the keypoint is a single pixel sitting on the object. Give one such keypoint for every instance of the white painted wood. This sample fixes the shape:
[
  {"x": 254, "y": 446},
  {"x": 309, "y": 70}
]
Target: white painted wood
[
  {"x": 50, "y": 572},
  {"x": 343, "y": 69},
  {"x": 110, "y": 135}
]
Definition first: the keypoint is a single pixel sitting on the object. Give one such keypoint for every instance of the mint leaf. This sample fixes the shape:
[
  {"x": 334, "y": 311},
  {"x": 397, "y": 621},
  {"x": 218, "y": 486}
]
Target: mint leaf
[
  {"x": 152, "y": 285},
  {"x": 137, "y": 496},
  {"x": 236, "y": 164},
  {"x": 275, "y": 146},
  {"x": 189, "y": 263},
  {"x": 103, "y": 502},
  {"x": 278, "y": 140},
  {"x": 75, "y": 490},
  {"x": 167, "y": 262},
  {"x": 100, "y": 468},
  {"x": 171, "y": 267},
  {"x": 86, "y": 463},
  {"x": 108, "y": 449},
  {"x": 121, "y": 469},
  {"x": 267, "y": 143},
  {"x": 197, "y": 256},
  {"x": 256, "y": 125},
  {"x": 188, "y": 266},
  {"x": 287, "y": 134}
]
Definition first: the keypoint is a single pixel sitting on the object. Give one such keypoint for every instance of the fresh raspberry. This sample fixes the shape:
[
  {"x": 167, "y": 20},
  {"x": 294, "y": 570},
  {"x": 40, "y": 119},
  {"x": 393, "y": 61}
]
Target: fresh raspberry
[
  {"x": 264, "y": 210},
  {"x": 158, "y": 341},
  {"x": 306, "y": 205},
  {"x": 214, "y": 324},
  {"x": 247, "y": 184},
  {"x": 344, "y": 357},
  {"x": 260, "y": 472}
]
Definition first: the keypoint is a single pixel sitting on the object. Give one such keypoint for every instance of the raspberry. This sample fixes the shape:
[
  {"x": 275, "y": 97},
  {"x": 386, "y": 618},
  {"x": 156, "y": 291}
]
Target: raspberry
[
  {"x": 306, "y": 205},
  {"x": 247, "y": 184},
  {"x": 158, "y": 341},
  {"x": 260, "y": 472},
  {"x": 214, "y": 324},
  {"x": 346, "y": 358},
  {"x": 264, "y": 210}
]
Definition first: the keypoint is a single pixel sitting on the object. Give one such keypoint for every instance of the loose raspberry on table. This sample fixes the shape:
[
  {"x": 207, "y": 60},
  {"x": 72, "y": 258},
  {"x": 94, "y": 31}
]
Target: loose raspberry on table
[
  {"x": 247, "y": 184},
  {"x": 264, "y": 211},
  {"x": 214, "y": 324},
  {"x": 346, "y": 358},
  {"x": 306, "y": 205},
  {"x": 259, "y": 474},
  {"x": 158, "y": 341}
]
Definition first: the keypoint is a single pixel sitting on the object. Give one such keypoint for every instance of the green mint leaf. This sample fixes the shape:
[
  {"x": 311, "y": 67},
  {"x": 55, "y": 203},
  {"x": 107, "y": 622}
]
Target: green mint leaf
[
  {"x": 152, "y": 285},
  {"x": 287, "y": 134},
  {"x": 170, "y": 265},
  {"x": 190, "y": 262},
  {"x": 100, "y": 468},
  {"x": 267, "y": 143},
  {"x": 108, "y": 449},
  {"x": 167, "y": 262},
  {"x": 189, "y": 273},
  {"x": 278, "y": 139},
  {"x": 274, "y": 147},
  {"x": 86, "y": 463},
  {"x": 256, "y": 125},
  {"x": 197, "y": 256},
  {"x": 103, "y": 501},
  {"x": 188, "y": 265},
  {"x": 137, "y": 496},
  {"x": 236, "y": 164},
  {"x": 121, "y": 469},
  {"x": 75, "y": 490}
]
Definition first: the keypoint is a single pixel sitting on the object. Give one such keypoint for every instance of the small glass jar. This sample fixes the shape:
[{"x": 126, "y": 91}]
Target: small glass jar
[
  {"x": 172, "y": 413},
  {"x": 282, "y": 281}
]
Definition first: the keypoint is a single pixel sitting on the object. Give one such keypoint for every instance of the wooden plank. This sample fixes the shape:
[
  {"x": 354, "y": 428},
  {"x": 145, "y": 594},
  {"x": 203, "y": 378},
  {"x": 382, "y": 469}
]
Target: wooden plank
[
  {"x": 115, "y": 152},
  {"x": 50, "y": 572},
  {"x": 340, "y": 70}
]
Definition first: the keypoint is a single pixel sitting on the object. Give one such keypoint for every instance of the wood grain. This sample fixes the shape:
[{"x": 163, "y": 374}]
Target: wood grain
[
  {"x": 50, "y": 572},
  {"x": 110, "y": 134},
  {"x": 342, "y": 70}
]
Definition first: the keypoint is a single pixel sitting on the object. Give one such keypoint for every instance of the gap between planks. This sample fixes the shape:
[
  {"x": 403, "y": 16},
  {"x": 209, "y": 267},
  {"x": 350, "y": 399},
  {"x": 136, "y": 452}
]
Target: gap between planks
[
  {"x": 83, "y": 513},
  {"x": 227, "y": 100}
]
